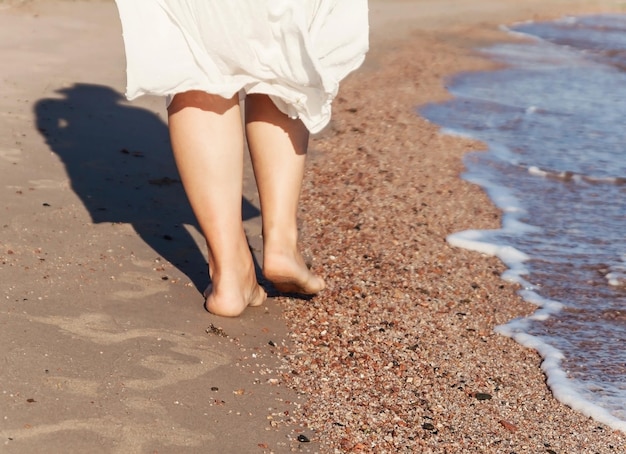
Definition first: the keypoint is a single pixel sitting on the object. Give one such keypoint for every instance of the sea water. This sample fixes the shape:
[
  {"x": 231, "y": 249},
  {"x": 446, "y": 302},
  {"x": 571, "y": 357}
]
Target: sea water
[{"x": 554, "y": 121}]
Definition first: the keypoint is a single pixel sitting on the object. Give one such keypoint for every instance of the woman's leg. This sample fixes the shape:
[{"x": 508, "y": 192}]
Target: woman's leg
[
  {"x": 278, "y": 147},
  {"x": 207, "y": 139}
]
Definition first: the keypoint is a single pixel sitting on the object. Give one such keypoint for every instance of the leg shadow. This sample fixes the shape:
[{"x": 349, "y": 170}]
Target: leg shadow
[{"x": 119, "y": 162}]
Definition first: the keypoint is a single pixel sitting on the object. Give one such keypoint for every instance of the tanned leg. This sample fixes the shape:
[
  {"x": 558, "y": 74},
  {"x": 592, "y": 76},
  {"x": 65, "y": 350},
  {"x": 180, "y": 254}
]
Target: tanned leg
[
  {"x": 207, "y": 139},
  {"x": 278, "y": 146}
]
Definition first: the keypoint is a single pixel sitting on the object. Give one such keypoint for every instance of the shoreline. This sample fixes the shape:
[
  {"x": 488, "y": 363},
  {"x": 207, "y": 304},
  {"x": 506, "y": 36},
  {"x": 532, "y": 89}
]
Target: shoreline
[{"x": 364, "y": 217}]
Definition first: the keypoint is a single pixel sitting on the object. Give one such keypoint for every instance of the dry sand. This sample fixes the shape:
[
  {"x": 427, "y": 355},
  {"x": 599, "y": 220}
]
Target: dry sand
[{"x": 105, "y": 344}]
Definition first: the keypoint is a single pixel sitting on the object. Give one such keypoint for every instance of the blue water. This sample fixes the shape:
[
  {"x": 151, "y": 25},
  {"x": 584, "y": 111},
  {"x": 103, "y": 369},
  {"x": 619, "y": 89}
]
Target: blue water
[{"x": 555, "y": 124}]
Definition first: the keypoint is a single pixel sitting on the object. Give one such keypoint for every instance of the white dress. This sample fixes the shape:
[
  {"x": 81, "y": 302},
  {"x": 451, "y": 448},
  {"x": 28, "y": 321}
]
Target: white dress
[{"x": 295, "y": 51}]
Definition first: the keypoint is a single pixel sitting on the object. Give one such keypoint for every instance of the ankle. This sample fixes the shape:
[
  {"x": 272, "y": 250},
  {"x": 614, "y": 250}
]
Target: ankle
[{"x": 279, "y": 243}]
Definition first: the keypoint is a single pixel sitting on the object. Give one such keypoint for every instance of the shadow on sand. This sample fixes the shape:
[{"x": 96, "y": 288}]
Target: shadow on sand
[{"x": 119, "y": 162}]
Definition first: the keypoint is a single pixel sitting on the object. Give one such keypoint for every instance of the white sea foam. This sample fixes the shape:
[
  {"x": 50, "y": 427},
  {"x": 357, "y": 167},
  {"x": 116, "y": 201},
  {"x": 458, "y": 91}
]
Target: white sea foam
[
  {"x": 553, "y": 125},
  {"x": 617, "y": 279},
  {"x": 616, "y": 274},
  {"x": 575, "y": 177},
  {"x": 564, "y": 389},
  {"x": 541, "y": 55}
]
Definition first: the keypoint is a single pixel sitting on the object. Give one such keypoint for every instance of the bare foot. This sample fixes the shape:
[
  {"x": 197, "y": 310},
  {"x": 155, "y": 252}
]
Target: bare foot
[
  {"x": 289, "y": 274},
  {"x": 233, "y": 302}
]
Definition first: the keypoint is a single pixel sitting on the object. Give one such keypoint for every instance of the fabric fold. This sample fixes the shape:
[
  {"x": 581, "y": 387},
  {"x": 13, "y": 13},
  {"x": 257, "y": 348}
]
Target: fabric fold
[{"x": 295, "y": 52}]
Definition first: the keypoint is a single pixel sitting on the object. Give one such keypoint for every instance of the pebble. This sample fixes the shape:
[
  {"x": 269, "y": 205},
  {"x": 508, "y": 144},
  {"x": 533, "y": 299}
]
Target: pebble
[{"x": 482, "y": 396}]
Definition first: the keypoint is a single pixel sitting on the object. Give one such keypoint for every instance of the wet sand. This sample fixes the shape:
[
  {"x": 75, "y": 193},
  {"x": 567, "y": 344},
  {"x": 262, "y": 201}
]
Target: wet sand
[{"x": 105, "y": 344}]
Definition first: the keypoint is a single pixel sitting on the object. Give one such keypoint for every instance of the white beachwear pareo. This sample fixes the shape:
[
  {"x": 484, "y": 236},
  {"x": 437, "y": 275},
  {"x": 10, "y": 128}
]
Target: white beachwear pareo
[{"x": 295, "y": 51}]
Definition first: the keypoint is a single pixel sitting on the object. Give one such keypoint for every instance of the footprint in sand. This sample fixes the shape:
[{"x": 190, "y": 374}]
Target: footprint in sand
[
  {"x": 182, "y": 358},
  {"x": 6, "y": 4},
  {"x": 11, "y": 154},
  {"x": 129, "y": 437},
  {"x": 179, "y": 358},
  {"x": 143, "y": 285},
  {"x": 49, "y": 184}
]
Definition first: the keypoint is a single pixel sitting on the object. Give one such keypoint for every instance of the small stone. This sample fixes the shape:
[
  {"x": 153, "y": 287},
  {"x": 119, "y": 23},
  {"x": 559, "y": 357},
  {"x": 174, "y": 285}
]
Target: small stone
[
  {"x": 508, "y": 426},
  {"x": 212, "y": 329},
  {"x": 428, "y": 426},
  {"x": 482, "y": 396}
]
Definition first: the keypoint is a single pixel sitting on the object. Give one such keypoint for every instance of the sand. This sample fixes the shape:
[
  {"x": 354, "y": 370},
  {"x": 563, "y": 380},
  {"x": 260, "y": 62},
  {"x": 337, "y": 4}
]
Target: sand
[{"x": 105, "y": 344}]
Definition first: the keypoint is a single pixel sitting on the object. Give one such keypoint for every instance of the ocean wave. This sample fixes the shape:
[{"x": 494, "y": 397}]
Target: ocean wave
[{"x": 569, "y": 176}]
